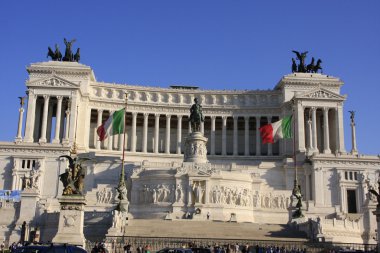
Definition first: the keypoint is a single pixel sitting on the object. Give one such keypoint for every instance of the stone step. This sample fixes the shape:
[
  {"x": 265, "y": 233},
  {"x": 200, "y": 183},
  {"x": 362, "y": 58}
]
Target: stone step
[{"x": 212, "y": 229}]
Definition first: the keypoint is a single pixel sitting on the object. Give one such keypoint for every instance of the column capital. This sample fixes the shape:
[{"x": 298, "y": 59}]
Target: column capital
[
  {"x": 146, "y": 114},
  {"x": 179, "y": 117},
  {"x": 134, "y": 114},
  {"x": 258, "y": 117},
  {"x": 213, "y": 117},
  {"x": 168, "y": 116},
  {"x": 157, "y": 115},
  {"x": 326, "y": 109},
  {"x": 100, "y": 110},
  {"x": 46, "y": 97},
  {"x": 246, "y": 117},
  {"x": 59, "y": 98},
  {"x": 224, "y": 117},
  {"x": 313, "y": 108}
]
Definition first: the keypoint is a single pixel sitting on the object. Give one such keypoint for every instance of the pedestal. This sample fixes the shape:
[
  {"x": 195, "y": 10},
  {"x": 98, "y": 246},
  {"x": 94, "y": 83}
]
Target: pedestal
[
  {"x": 29, "y": 199},
  {"x": 71, "y": 218},
  {"x": 119, "y": 223},
  {"x": 195, "y": 148},
  {"x": 377, "y": 213}
]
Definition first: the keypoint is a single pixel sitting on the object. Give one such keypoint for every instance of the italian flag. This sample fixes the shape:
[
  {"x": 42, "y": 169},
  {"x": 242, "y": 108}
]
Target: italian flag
[
  {"x": 113, "y": 125},
  {"x": 281, "y": 129}
]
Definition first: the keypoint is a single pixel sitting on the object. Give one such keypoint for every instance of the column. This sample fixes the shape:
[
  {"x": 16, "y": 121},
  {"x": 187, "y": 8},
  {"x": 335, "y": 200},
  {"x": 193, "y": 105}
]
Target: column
[
  {"x": 310, "y": 133},
  {"x": 133, "y": 137},
  {"x": 58, "y": 119},
  {"x": 326, "y": 135},
  {"x": 318, "y": 193},
  {"x": 110, "y": 135},
  {"x": 258, "y": 138},
  {"x": 19, "y": 128},
  {"x": 269, "y": 118},
  {"x": 339, "y": 129},
  {"x": 179, "y": 133},
  {"x": 73, "y": 115},
  {"x": 314, "y": 128},
  {"x": 167, "y": 141},
  {"x": 66, "y": 139},
  {"x": 30, "y": 116},
  {"x": 189, "y": 126},
  {"x": 224, "y": 135},
  {"x": 246, "y": 135},
  {"x": 145, "y": 133},
  {"x": 44, "y": 119},
  {"x": 203, "y": 127},
  {"x": 235, "y": 144},
  {"x": 156, "y": 131},
  {"x": 99, "y": 122},
  {"x": 212, "y": 151},
  {"x": 354, "y": 149},
  {"x": 300, "y": 127}
]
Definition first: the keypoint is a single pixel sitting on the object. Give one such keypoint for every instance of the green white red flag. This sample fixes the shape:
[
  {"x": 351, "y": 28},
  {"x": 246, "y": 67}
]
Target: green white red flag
[
  {"x": 281, "y": 129},
  {"x": 113, "y": 125}
]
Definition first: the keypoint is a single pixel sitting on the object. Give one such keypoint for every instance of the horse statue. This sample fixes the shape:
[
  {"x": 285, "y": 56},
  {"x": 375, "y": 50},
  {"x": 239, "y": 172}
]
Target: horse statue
[
  {"x": 294, "y": 65},
  {"x": 317, "y": 66},
  {"x": 77, "y": 55},
  {"x": 310, "y": 67},
  {"x": 51, "y": 54},
  {"x": 196, "y": 116},
  {"x": 57, "y": 53}
]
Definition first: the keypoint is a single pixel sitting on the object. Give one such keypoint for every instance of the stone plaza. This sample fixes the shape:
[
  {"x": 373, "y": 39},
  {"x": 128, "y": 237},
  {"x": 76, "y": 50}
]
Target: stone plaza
[{"x": 222, "y": 173}]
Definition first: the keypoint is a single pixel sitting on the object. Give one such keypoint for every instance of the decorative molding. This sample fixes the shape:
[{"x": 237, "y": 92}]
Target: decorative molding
[{"x": 53, "y": 81}]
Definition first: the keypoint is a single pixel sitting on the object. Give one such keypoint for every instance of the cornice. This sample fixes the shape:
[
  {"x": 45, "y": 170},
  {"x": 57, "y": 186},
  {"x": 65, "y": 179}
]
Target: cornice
[{"x": 367, "y": 161}]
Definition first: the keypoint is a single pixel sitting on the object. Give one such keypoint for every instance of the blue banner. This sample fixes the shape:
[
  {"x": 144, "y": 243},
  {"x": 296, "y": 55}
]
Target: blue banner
[{"x": 10, "y": 195}]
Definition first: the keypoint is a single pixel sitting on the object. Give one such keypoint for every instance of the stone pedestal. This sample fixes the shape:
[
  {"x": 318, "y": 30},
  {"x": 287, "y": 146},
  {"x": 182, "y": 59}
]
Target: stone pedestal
[
  {"x": 71, "y": 218},
  {"x": 29, "y": 199},
  {"x": 195, "y": 148},
  {"x": 119, "y": 223},
  {"x": 377, "y": 213}
]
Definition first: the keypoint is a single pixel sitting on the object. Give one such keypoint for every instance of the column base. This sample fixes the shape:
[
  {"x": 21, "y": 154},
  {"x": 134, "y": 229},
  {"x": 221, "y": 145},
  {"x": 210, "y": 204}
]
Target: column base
[
  {"x": 18, "y": 139},
  {"x": 327, "y": 151},
  {"x": 354, "y": 152},
  {"x": 56, "y": 141},
  {"x": 42, "y": 141}
]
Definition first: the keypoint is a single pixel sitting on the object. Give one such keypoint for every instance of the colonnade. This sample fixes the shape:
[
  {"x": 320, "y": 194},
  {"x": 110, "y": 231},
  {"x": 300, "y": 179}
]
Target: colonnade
[
  {"x": 46, "y": 114},
  {"x": 227, "y": 135},
  {"x": 324, "y": 130}
]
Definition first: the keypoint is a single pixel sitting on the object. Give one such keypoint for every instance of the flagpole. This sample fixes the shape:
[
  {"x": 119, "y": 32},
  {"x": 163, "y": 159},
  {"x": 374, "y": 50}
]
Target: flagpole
[
  {"x": 122, "y": 174},
  {"x": 294, "y": 145},
  {"x": 296, "y": 190}
]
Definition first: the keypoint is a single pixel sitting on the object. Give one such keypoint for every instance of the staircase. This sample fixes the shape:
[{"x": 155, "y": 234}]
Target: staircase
[{"x": 210, "y": 229}]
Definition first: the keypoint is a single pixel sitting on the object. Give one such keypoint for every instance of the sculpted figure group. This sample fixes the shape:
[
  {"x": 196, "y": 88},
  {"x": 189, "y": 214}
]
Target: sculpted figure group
[
  {"x": 73, "y": 178},
  {"x": 69, "y": 55},
  {"x": 31, "y": 181},
  {"x": 302, "y": 67}
]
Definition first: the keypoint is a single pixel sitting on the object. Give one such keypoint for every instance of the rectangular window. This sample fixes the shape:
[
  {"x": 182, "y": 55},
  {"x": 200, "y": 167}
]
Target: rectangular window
[{"x": 351, "y": 201}]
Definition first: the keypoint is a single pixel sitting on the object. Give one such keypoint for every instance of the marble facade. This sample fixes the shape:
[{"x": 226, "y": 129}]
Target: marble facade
[{"x": 228, "y": 173}]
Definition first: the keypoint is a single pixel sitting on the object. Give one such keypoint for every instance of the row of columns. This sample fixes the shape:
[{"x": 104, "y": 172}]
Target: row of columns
[
  {"x": 312, "y": 130},
  {"x": 31, "y": 116},
  {"x": 179, "y": 134}
]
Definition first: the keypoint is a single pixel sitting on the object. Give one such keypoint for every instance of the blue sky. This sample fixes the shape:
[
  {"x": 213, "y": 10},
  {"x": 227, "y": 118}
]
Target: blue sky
[{"x": 219, "y": 44}]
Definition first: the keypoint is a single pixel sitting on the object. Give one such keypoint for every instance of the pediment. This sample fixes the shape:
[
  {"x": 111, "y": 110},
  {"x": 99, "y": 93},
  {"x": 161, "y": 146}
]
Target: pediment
[
  {"x": 54, "y": 81},
  {"x": 321, "y": 93}
]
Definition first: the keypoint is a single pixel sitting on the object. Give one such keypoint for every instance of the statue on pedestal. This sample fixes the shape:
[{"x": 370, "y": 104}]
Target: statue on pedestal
[
  {"x": 73, "y": 178},
  {"x": 196, "y": 116}
]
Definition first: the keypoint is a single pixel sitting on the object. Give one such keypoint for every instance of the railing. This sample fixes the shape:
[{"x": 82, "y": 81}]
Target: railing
[{"x": 116, "y": 244}]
